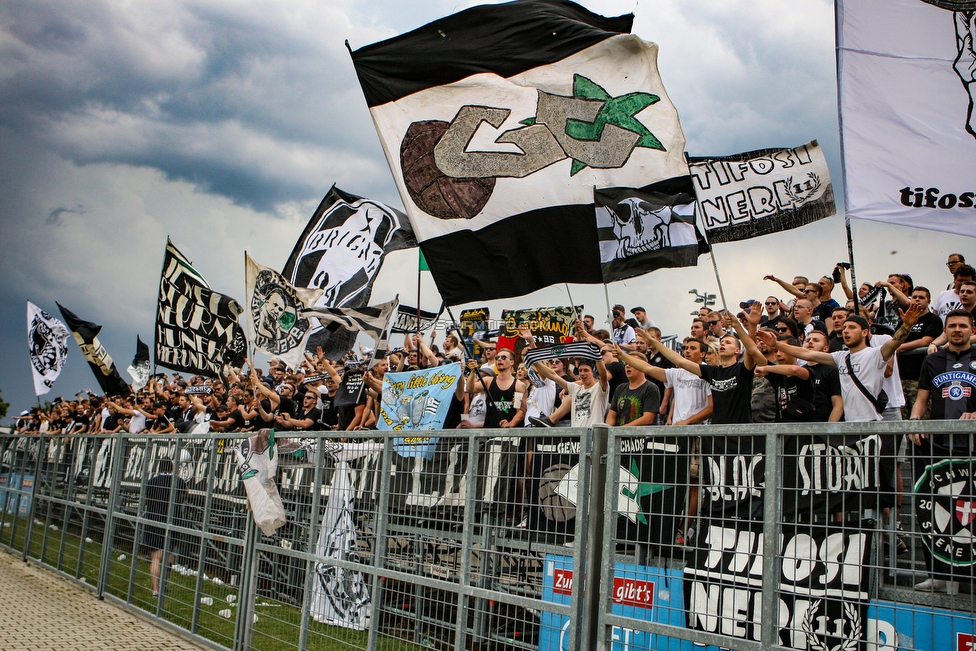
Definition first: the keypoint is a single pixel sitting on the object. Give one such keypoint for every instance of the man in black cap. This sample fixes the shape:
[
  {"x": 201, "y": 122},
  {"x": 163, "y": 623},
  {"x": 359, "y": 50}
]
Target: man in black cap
[{"x": 641, "y": 315}]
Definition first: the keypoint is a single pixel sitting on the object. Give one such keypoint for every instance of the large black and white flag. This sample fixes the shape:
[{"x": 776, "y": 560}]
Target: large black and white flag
[
  {"x": 761, "y": 192},
  {"x": 139, "y": 368},
  {"x": 46, "y": 337},
  {"x": 499, "y": 121},
  {"x": 340, "y": 596},
  {"x": 340, "y": 252},
  {"x": 650, "y": 228},
  {"x": 86, "y": 334},
  {"x": 276, "y": 310},
  {"x": 906, "y": 93},
  {"x": 196, "y": 327},
  {"x": 373, "y": 320}
]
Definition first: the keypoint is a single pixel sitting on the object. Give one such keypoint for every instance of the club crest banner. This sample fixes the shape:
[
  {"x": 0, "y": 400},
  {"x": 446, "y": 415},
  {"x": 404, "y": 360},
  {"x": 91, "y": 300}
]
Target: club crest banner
[
  {"x": 46, "y": 343},
  {"x": 275, "y": 308}
]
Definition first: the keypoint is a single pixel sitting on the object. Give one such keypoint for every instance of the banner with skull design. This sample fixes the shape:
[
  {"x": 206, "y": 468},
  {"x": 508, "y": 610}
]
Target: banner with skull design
[
  {"x": 46, "y": 337},
  {"x": 761, "y": 192},
  {"x": 497, "y": 132},
  {"x": 275, "y": 307},
  {"x": 138, "y": 370},
  {"x": 641, "y": 230},
  {"x": 340, "y": 252},
  {"x": 906, "y": 91}
]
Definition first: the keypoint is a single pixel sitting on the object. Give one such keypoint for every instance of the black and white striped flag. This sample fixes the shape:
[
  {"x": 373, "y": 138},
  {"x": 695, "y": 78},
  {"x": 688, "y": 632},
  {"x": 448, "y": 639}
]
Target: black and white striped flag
[
  {"x": 372, "y": 320},
  {"x": 581, "y": 349}
]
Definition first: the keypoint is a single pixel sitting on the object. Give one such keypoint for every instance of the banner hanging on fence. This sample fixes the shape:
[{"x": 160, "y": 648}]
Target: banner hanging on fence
[
  {"x": 906, "y": 91},
  {"x": 46, "y": 343},
  {"x": 340, "y": 596},
  {"x": 761, "y": 192},
  {"x": 823, "y": 584}
]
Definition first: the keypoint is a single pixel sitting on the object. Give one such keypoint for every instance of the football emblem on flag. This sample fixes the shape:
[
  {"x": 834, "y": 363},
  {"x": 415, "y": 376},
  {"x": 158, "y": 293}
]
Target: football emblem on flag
[
  {"x": 555, "y": 507},
  {"x": 945, "y": 501}
]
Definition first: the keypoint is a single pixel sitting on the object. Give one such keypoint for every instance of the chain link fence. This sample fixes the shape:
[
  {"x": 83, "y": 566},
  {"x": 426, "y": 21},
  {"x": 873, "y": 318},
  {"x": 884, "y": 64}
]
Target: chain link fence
[{"x": 770, "y": 536}]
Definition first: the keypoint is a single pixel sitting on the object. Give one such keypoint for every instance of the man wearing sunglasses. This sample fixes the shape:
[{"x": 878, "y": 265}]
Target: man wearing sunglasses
[{"x": 505, "y": 392}]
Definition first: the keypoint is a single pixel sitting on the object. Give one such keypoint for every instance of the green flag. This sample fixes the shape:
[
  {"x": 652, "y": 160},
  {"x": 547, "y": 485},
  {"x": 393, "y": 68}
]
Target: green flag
[{"x": 423, "y": 262}]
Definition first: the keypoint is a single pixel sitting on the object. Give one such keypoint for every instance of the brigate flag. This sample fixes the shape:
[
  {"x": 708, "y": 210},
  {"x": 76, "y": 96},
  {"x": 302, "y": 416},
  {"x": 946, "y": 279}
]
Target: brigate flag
[
  {"x": 46, "y": 337},
  {"x": 86, "y": 334}
]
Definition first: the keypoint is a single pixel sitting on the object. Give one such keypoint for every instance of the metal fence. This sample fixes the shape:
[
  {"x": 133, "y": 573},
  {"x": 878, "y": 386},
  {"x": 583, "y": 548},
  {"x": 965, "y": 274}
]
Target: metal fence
[{"x": 746, "y": 537}]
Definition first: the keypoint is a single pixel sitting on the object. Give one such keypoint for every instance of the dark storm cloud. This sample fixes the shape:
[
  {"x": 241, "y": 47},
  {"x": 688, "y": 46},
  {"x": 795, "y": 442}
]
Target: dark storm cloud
[{"x": 96, "y": 82}]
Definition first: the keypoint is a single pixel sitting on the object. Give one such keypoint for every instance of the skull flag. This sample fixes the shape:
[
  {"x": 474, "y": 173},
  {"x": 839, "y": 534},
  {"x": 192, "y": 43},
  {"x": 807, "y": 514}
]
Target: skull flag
[
  {"x": 46, "y": 337},
  {"x": 647, "y": 229},
  {"x": 497, "y": 123},
  {"x": 340, "y": 252}
]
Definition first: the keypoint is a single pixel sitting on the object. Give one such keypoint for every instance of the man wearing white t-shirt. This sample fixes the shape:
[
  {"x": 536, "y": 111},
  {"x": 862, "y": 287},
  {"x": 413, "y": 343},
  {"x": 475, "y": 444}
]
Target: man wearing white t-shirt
[
  {"x": 589, "y": 395},
  {"x": 868, "y": 363}
]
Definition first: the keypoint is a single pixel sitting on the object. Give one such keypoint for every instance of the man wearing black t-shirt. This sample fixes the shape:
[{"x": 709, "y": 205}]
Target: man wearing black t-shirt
[
  {"x": 731, "y": 382},
  {"x": 792, "y": 384},
  {"x": 912, "y": 353},
  {"x": 306, "y": 418},
  {"x": 948, "y": 381}
]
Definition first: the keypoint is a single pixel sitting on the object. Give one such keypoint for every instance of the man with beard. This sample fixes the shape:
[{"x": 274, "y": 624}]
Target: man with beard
[{"x": 948, "y": 382}]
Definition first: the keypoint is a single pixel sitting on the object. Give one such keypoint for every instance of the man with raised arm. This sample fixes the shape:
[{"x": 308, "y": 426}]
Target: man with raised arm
[
  {"x": 731, "y": 381},
  {"x": 505, "y": 392},
  {"x": 868, "y": 363}
]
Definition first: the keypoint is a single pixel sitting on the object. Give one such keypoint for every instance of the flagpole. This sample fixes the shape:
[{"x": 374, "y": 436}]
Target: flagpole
[
  {"x": 606, "y": 295},
  {"x": 420, "y": 256},
  {"x": 838, "y": 17},
  {"x": 457, "y": 329},
  {"x": 572, "y": 303},
  {"x": 247, "y": 320}
]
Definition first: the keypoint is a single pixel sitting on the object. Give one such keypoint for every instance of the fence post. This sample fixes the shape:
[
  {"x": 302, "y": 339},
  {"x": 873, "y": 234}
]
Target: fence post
[
  {"x": 379, "y": 548},
  {"x": 249, "y": 586},
  {"x": 593, "y": 545},
  {"x": 108, "y": 536},
  {"x": 467, "y": 543},
  {"x": 33, "y": 504},
  {"x": 772, "y": 526},
  {"x": 313, "y": 540}
]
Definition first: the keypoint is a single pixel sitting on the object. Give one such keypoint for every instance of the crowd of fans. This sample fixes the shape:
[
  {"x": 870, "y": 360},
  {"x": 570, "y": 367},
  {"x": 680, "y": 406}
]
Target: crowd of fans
[
  {"x": 775, "y": 360},
  {"x": 892, "y": 350}
]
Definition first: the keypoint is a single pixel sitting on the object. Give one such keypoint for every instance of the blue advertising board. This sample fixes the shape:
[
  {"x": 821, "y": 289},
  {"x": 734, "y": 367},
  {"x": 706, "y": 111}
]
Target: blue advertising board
[{"x": 647, "y": 593}]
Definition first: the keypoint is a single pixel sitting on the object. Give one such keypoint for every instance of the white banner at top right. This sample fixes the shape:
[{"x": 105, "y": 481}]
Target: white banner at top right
[{"x": 906, "y": 86}]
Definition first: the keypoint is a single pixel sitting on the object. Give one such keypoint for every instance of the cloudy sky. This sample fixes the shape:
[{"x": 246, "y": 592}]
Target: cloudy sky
[{"x": 222, "y": 124}]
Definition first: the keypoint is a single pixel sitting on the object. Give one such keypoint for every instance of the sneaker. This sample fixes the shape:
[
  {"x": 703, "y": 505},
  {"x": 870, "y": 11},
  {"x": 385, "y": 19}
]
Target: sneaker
[
  {"x": 155, "y": 595},
  {"x": 690, "y": 536},
  {"x": 938, "y": 585},
  {"x": 540, "y": 421},
  {"x": 524, "y": 522}
]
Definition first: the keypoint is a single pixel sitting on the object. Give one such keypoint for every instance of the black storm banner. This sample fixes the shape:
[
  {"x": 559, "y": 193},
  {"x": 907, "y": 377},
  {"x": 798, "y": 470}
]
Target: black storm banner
[{"x": 196, "y": 328}]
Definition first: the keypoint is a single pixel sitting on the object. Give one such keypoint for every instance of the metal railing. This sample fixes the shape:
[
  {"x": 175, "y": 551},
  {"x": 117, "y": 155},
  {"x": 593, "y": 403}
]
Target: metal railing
[{"x": 470, "y": 540}]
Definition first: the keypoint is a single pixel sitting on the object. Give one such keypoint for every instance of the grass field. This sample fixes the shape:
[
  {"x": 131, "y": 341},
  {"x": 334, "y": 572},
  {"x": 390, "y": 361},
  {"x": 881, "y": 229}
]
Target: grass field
[{"x": 77, "y": 550}]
